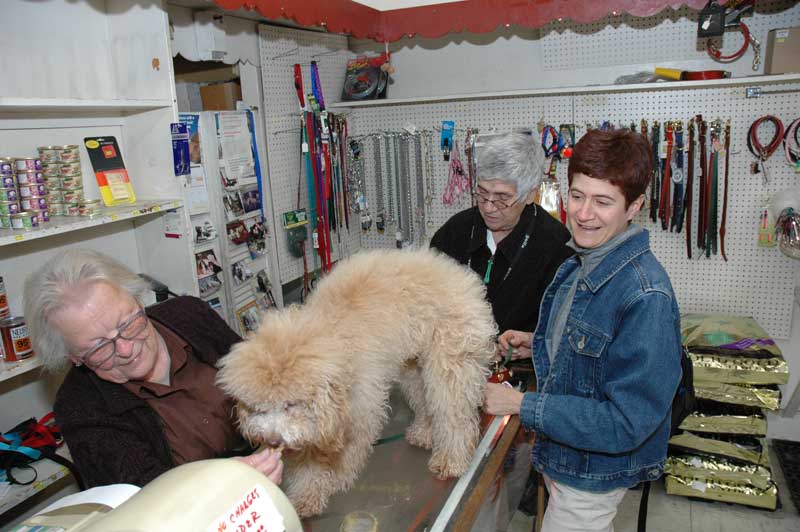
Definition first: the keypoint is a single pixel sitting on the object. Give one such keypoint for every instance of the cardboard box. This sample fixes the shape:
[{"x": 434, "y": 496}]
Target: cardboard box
[
  {"x": 221, "y": 96},
  {"x": 783, "y": 51}
]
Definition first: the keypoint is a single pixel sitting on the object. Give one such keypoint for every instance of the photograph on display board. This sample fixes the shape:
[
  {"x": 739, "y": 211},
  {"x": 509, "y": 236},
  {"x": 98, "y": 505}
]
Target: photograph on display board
[
  {"x": 207, "y": 263},
  {"x": 228, "y": 182},
  {"x": 209, "y": 284},
  {"x": 251, "y": 199},
  {"x": 249, "y": 317},
  {"x": 192, "y": 122},
  {"x": 204, "y": 229},
  {"x": 233, "y": 205},
  {"x": 237, "y": 232},
  {"x": 256, "y": 243},
  {"x": 262, "y": 282},
  {"x": 241, "y": 272}
]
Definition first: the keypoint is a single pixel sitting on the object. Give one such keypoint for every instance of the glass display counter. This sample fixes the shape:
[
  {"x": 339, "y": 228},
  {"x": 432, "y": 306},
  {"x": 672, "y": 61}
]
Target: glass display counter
[{"x": 397, "y": 492}]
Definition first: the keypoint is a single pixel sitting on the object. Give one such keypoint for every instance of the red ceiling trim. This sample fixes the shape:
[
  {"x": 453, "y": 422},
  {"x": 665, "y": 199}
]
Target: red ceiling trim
[{"x": 475, "y": 16}]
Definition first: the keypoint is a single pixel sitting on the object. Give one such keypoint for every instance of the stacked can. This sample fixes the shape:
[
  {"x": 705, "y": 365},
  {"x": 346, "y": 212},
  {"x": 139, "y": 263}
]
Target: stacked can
[
  {"x": 32, "y": 194},
  {"x": 23, "y": 195},
  {"x": 61, "y": 166}
]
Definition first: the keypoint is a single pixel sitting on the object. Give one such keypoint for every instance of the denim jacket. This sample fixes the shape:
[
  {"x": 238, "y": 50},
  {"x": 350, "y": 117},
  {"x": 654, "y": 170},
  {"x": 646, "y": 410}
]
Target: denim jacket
[{"x": 602, "y": 411}]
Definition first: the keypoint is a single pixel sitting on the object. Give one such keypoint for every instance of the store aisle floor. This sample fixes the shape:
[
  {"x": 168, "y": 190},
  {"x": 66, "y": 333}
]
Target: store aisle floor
[{"x": 668, "y": 513}]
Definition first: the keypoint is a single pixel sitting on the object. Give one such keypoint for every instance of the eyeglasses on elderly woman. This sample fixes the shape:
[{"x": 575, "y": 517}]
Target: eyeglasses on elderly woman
[
  {"x": 499, "y": 203},
  {"x": 105, "y": 350}
]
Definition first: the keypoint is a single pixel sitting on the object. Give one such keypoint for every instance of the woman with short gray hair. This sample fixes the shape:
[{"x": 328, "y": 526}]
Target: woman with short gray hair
[
  {"x": 140, "y": 397},
  {"x": 507, "y": 239}
]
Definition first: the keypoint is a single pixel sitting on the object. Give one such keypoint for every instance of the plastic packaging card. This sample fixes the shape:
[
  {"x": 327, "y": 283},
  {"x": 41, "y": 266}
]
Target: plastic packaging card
[{"x": 109, "y": 169}]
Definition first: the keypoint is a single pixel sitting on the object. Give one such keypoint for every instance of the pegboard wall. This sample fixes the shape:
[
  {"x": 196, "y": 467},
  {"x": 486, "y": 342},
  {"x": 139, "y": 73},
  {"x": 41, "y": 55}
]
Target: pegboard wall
[
  {"x": 755, "y": 281},
  {"x": 671, "y": 36},
  {"x": 280, "y": 49}
]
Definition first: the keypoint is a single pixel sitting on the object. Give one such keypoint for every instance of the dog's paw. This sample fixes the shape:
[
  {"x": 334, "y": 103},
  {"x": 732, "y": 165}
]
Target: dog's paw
[
  {"x": 308, "y": 506},
  {"x": 420, "y": 436},
  {"x": 446, "y": 469}
]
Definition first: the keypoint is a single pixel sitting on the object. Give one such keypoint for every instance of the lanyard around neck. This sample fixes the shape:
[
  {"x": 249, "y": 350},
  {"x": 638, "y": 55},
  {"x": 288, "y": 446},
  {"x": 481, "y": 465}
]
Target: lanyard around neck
[{"x": 517, "y": 255}]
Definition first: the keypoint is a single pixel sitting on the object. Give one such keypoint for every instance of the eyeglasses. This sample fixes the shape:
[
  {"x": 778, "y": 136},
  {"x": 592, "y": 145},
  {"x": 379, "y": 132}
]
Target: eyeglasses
[
  {"x": 498, "y": 204},
  {"x": 130, "y": 329}
]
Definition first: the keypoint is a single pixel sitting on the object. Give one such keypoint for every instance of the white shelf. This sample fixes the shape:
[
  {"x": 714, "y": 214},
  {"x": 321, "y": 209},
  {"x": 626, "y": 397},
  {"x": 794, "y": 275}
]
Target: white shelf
[
  {"x": 9, "y": 370},
  {"x": 589, "y": 89},
  {"x": 48, "y": 473},
  {"x": 66, "y": 224},
  {"x": 75, "y": 104}
]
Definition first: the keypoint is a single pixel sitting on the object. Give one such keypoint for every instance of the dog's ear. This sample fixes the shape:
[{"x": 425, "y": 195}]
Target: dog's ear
[{"x": 333, "y": 404}]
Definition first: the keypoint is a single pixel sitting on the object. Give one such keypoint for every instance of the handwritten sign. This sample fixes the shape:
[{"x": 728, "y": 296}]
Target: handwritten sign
[{"x": 254, "y": 512}]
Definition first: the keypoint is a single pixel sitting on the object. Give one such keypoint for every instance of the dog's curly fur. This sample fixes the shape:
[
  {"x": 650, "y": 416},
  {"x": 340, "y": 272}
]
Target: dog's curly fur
[{"x": 316, "y": 378}]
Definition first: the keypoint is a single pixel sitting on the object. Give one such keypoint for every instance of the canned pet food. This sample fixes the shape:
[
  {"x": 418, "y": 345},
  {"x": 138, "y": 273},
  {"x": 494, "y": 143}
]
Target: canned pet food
[
  {"x": 72, "y": 182},
  {"x": 56, "y": 208},
  {"x": 54, "y": 196},
  {"x": 68, "y": 153},
  {"x": 72, "y": 168},
  {"x": 7, "y": 208},
  {"x": 33, "y": 203},
  {"x": 52, "y": 183},
  {"x": 4, "y": 311},
  {"x": 51, "y": 169},
  {"x": 71, "y": 209},
  {"x": 16, "y": 342},
  {"x": 24, "y": 220},
  {"x": 43, "y": 215},
  {"x": 23, "y": 164},
  {"x": 90, "y": 207},
  {"x": 30, "y": 177},
  {"x": 72, "y": 195},
  {"x": 6, "y": 166},
  {"x": 48, "y": 154},
  {"x": 9, "y": 194},
  {"x": 32, "y": 189},
  {"x": 5, "y": 221},
  {"x": 8, "y": 181}
]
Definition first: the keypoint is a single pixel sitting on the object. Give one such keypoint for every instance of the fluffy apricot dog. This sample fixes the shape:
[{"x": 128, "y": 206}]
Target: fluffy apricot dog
[{"x": 316, "y": 378}]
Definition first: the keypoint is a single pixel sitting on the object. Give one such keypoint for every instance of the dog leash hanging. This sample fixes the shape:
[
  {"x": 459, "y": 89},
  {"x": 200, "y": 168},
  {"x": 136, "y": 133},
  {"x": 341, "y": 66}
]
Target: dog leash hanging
[
  {"x": 725, "y": 192},
  {"x": 713, "y": 186},
  {"x": 689, "y": 189},
  {"x": 655, "y": 182},
  {"x": 701, "y": 197},
  {"x": 792, "y": 154},
  {"x": 306, "y": 150},
  {"x": 678, "y": 179},
  {"x": 666, "y": 179},
  {"x": 457, "y": 184},
  {"x": 749, "y": 40},
  {"x": 760, "y": 151}
]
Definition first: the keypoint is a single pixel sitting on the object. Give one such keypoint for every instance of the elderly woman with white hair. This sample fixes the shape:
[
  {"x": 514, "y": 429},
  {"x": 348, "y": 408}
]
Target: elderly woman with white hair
[
  {"x": 140, "y": 397},
  {"x": 511, "y": 242}
]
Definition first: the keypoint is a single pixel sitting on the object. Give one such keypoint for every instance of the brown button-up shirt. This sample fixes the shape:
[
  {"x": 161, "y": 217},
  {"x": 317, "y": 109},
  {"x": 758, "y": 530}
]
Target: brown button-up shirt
[{"x": 196, "y": 415}]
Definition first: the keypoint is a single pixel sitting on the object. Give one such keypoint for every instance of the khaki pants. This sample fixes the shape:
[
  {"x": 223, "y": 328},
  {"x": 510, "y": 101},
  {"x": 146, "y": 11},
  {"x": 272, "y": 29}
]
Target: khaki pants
[{"x": 571, "y": 510}]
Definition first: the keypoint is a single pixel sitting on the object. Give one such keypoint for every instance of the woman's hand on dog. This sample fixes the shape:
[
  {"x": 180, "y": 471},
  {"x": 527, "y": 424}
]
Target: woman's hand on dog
[
  {"x": 520, "y": 341},
  {"x": 501, "y": 400},
  {"x": 268, "y": 462}
]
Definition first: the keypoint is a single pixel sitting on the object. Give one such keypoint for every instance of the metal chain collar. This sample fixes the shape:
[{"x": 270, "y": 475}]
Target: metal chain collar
[
  {"x": 390, "y": 170},
  {"x": 419, "y": 187}
]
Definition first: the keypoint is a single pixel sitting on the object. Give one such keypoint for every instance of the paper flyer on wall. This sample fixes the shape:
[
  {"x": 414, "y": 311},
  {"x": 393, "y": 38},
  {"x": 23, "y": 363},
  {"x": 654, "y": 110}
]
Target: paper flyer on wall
[
  {"x": 192, "y": 122},
  {"x": 235, "y": 146},
  {"x": 180, "y": 149}
]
